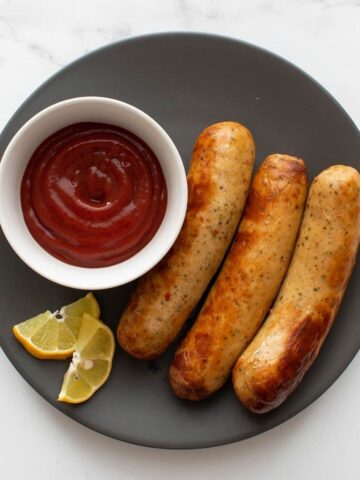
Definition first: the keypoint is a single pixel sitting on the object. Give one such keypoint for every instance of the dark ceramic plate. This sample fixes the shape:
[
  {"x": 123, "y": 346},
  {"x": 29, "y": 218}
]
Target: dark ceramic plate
[{"x": 186, "y": 82}]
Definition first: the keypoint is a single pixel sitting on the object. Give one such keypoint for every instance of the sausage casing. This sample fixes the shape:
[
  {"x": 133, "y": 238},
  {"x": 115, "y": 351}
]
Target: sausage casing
[
  {"x": 218, "y": 181},
  {"x": 248, "y": 282},
  {"x": 291, "y": 337}
]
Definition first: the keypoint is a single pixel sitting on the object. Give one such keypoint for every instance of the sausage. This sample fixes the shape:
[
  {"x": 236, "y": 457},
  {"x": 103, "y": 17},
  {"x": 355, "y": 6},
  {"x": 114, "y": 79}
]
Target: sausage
[
  {"x": 291, "y": 337},
  {"x": 218, "y": 181},
  {"x": 248, "y": 282}
]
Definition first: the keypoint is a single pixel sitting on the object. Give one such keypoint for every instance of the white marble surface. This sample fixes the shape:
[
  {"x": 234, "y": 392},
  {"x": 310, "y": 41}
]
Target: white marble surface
[{"x": 37, "y": 38}]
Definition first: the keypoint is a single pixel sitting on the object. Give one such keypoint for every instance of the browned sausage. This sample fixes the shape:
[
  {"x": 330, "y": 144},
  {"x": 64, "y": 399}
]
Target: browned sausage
[
  {"x": 247, "y": 285},
  {"x": 218, "y": 180},
  {"x": 291, "y": 337}
]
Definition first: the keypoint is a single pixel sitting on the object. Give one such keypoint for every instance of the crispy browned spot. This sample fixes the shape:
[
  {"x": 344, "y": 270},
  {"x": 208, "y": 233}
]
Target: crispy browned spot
[
  {"x": 280, "y": 166},
  {"x": 199, "y": 179},
  {"x": 265, "y": 187},
  {"x": 185, "y": 240},
  {"x": 199, "y": 193},
  {"x": 235, "y": 268},
  {"x": 300, "y": 352},
  {"x": 295, "y": 167},
  {"x": 243, "y": 239},
  {"x": 182, "y": 389},
  {"x": 339, "y": 269},
  {"x": 202, "y": 344},
  {"x": 256, "y": 205},
  {"x": 181, "y": 361},
  {"x": 180, "y": 378}
]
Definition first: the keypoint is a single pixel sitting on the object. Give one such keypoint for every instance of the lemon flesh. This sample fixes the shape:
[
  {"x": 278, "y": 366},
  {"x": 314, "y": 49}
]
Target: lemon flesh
[
  {"x": 53, "y": 335},
  {"x": 91, "y": 363}
]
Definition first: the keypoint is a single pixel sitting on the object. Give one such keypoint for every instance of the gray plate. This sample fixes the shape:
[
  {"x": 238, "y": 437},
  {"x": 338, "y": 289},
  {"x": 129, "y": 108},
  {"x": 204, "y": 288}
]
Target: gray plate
[{"x": 186, "y": 82}]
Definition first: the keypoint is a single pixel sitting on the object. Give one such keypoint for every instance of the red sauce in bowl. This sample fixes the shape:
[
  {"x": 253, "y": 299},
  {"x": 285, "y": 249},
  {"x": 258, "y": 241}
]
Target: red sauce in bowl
[{"x": 93, "y": 195}]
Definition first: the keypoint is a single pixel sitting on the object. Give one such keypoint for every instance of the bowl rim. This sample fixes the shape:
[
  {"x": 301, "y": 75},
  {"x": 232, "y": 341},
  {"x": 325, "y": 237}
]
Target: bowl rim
[{"x": 112, "y": 280}]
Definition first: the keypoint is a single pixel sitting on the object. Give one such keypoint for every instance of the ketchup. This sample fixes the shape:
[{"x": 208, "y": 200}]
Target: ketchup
[{"x": 93, "y": 194}]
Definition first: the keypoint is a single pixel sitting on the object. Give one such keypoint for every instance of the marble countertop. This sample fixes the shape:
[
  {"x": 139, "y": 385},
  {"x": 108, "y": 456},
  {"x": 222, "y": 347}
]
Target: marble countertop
[{"x": 39, "y": 37}]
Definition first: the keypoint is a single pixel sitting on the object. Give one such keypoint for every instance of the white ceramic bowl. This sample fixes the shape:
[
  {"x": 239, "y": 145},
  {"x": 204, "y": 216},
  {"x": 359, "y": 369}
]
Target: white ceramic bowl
[{"x": 17, "y": 155}]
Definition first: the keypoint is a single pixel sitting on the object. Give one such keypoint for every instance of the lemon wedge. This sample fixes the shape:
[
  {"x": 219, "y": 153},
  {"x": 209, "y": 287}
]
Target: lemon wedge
[
  {"x": 53, "y": 335},
  {"x": 91, "y": 363}
]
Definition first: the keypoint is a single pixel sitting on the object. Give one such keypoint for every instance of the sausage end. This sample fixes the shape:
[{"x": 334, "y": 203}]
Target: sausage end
[{"x": 184, "y": 387}]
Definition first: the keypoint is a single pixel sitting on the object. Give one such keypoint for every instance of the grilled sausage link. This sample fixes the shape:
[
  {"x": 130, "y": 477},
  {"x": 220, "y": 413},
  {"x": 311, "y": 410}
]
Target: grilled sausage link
[
  {"x": 291, "y": 337},
  {"x": 218, "y": 180},
  {"x": 248, "y": 282}
]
